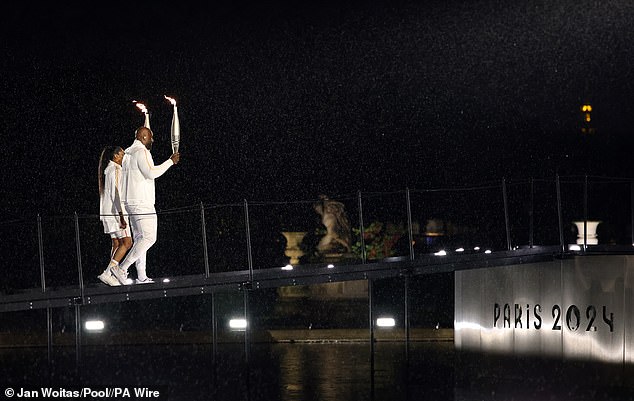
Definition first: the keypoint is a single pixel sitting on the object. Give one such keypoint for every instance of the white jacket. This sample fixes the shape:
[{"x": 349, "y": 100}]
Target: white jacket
[
  {"x": 139, "y": 173},
  {"x": 110, "y": 199}
]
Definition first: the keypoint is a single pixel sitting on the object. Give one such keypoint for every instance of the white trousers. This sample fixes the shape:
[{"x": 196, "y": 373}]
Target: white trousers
[{"x": 144, "y": 223}]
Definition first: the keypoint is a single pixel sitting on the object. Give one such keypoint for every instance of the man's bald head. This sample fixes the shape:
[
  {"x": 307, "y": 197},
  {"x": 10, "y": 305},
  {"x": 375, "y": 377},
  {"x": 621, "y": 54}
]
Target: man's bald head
[{"x": 145, "y": 136}]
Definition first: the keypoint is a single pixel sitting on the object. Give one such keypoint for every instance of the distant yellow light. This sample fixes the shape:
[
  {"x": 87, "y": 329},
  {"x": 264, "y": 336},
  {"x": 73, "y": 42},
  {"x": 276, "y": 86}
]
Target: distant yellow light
[
  {"x": 586, "y": 108},
  {"x": 588, "y": 118}
]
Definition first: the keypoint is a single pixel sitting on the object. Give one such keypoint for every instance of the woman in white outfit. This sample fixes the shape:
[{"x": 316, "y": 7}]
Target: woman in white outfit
[{"x": 111, "y": 209}]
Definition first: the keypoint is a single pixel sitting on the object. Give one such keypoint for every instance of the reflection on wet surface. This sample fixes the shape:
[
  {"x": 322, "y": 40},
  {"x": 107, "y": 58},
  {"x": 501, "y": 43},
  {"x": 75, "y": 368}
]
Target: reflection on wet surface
[{"x": 287, "y": 371}]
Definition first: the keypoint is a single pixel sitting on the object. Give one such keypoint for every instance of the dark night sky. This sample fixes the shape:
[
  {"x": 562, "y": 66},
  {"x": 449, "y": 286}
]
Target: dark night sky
[{"x": 287, "y": 101}]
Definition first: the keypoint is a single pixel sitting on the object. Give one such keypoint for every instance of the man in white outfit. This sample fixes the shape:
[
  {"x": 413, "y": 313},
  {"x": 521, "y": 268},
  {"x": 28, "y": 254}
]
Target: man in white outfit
[{"x": 137, "y": 186}]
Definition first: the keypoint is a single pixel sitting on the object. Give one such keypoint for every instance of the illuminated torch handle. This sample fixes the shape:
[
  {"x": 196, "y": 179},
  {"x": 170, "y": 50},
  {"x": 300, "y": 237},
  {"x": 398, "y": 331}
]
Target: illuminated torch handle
[
  {"x": 176, "y": 131},
  {"x": 146, "y": 124}
]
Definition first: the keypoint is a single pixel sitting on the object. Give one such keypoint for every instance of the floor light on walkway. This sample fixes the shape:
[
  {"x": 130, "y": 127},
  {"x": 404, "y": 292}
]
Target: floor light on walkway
[
  {"x": 94, "y": 325},
  {"x": 238, "y": 324},
  {"x": 385, "y": 322}
]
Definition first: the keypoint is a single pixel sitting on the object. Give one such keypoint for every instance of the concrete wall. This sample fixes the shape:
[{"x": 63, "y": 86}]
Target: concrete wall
[{"x": 578, "y": 309}]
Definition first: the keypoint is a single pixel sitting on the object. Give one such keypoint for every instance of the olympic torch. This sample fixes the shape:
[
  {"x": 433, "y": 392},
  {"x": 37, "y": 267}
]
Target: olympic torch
[
  {"x": 142, "y": 107},
  {"x": 176, "y": 126}
]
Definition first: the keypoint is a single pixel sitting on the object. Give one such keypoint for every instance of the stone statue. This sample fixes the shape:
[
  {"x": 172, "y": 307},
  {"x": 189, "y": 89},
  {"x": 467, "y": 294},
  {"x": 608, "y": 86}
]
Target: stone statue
[{"x": 333, "y": 217}]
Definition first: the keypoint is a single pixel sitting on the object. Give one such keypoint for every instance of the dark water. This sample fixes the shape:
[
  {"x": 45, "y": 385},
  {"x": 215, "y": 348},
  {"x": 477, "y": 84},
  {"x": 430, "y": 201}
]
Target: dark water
[
  {"x": 287, "y": 371},
  {"x": 313, "y": 371}
]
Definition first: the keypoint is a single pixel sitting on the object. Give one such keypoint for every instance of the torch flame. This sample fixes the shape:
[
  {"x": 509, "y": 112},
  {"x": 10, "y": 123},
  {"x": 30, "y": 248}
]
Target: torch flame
[
  {"x": 141, "y": 106},
  {"x": 171, "y": 100}
]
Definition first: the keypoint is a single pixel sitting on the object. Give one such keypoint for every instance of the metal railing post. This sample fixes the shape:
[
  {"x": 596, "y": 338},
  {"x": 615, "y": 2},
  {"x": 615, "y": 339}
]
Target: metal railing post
[
  {"x": 80, "y": 301},
  {"x": 409, "y": 226},
  {"x": 78, "y": 338},
  {"x": 585, "y": 213},
  {"x": 79, "y": 267},
  {"x": 214, "y": 327},
  {"x": 361, "y": 229},
  {"x": 407, "y": 328},
  {"x": 371, "y": 317},
  {"x": 247, "y": 328},
  {"x": 559, "y": 215},
  {"x": 247, "y": 350},
  {"x": 40, "y": 247},
  {"x": 531, "y": 216},
  {"x": 49, "y": 339},
  {"x": 632, "y": 209},
  {"x": 204, "y": 235},
  {"x": 506, "y": 215},
  {"x": 248, "y": 235},
  {"x": 49, "y": 312}
]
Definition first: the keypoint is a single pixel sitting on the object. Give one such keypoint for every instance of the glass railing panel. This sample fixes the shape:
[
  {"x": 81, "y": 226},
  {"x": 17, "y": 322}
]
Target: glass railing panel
[
  {"x": 226, "y": 237},
  {"x": 431, "y": 306},
  {"x": 572, "y": 207},
  {"x": 20, "y": 255},
  {"x": 283, "y": 233},
  {"x": 610, "y": 203},
  {"x": 60, "y": 252},
  {"x": 24, "y": 328},
  {"x": 24, "y": 347},
  {"x": 388, "y": 309},
  {"x": 385, "y": 225},
  {"x": 545, "y": 214},
  {"x": 469, "y": 219},
  {"x": 332, "y": 230},
  {"x": 178, "y": 250},
  {"x": 317, "y": 311},
  {"x": 95, "y": 248}
]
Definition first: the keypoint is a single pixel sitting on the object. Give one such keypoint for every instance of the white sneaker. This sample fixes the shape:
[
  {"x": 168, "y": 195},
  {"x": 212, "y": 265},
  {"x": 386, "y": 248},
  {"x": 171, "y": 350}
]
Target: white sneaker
[
  {"x": 146, "y": 281},
  {"x": 107, "y": 278},
  {"x": 120, "y": 273}
]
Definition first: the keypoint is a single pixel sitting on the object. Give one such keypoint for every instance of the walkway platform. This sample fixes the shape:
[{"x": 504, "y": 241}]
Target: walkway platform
[{"x": 271, "y": 278}]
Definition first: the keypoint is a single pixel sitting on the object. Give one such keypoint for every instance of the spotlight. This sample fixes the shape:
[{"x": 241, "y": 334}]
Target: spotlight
[
  {"x": 385, "y": 322},
  {"x": 94, "y": 325},
  {"x": 442, "y": 252},
  {"x": 288, "y": 267},
  {"x": 238, "y": 324}
]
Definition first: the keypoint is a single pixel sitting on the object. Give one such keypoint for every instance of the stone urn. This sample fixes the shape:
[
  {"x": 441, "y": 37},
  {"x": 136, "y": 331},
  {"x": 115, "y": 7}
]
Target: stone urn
[
  {"x": 591, "y": 237},
  {"x": 293, "y": 249}
]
